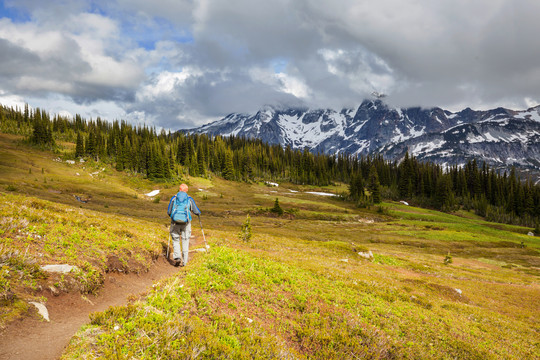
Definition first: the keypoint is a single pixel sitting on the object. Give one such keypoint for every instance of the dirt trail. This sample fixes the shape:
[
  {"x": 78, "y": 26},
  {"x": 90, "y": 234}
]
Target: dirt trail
[{"x": 33, "y": 338}]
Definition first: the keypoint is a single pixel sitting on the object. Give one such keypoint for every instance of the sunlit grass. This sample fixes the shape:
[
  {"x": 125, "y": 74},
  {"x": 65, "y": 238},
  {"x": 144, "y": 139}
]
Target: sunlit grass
[
  {"x": 297, "y": 289},
  {"x": 235, "y": 304}
]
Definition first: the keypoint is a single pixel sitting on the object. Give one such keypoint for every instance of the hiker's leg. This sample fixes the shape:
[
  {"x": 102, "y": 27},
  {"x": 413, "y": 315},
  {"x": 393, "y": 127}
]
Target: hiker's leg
[
  {"x": 186, "y": 234},
  {"x": 175, "y": 235}
]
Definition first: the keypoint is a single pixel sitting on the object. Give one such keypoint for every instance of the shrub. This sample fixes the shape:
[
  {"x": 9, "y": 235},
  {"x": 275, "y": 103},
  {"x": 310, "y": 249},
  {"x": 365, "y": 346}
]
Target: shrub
[
  {"x": 245, "y": 232},
  {"x": 277, "y": 209},
  {"x": 383, "y": 210},
  {"x": 448, "y": 259}
]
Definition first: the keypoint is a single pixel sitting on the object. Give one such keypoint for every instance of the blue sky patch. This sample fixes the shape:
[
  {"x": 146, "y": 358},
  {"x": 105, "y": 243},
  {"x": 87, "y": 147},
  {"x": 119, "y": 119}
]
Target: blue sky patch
[
  {"x": 16, "y": 15},
  {"x": 279, "y": 65}
]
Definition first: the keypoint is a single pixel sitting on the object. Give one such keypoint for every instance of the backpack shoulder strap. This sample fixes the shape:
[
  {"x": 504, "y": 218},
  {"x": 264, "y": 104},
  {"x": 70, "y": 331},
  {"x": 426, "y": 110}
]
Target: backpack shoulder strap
[{"x": 171, "y": 203}]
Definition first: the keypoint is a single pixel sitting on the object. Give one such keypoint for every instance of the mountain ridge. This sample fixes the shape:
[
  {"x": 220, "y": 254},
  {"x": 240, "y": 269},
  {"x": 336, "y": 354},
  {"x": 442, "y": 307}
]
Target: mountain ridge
[{"x": 501, "y": 137}]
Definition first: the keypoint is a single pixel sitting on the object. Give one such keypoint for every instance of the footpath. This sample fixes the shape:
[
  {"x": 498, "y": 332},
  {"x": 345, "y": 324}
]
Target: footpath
[{"x": 34, "y": 338}]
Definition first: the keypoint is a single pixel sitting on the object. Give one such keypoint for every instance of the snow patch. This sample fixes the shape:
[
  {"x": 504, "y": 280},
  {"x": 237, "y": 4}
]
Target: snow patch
[
  {"x": 415, "y": 133},
  {"x": 320, "y": 193},
  {"x": 152, "y": 193},
  {"x": 424, "y": 148},
  {"x": 475, "y": 139}
]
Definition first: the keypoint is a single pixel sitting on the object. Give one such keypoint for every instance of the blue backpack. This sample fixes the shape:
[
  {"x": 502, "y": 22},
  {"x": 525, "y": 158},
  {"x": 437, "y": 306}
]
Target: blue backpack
[{"x": 179, "y": 208}]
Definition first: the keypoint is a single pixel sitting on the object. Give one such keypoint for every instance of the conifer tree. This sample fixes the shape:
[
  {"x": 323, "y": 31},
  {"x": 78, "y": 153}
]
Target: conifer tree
[
  {"x": 79, "y": 147},
  {"x": 444, "y": 199},
  {"x": 356, "y": 187},
  {"x": 405, "y": 181},
  {"x": 90, "y": 148},
  {"x": 201, "y": 160},
  {"x": 277, "y": 208},
  {"x": 228, "y": 170},
  {"x": 374, "y": 185}
]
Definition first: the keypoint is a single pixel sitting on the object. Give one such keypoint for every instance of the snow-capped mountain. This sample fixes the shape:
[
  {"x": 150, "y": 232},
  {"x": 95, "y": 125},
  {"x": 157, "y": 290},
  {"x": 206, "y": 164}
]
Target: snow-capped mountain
[{"x": 501, "y": 137}]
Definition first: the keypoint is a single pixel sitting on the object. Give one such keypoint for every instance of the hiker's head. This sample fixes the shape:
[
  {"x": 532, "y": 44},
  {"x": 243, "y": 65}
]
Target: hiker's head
[{"x": 183, "y": 188}]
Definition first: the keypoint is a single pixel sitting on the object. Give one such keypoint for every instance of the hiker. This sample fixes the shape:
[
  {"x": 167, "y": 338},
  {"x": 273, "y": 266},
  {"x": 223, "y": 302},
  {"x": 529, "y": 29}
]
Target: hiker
[{"x": 180, "y": 208}]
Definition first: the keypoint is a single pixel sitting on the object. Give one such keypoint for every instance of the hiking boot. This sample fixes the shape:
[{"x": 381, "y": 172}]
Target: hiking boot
[{"x": 178, "y": 262}]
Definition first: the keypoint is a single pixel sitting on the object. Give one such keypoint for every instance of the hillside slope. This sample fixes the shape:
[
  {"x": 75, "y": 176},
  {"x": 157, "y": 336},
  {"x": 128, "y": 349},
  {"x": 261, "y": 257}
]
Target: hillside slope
[{"x": 438, "y": 286}]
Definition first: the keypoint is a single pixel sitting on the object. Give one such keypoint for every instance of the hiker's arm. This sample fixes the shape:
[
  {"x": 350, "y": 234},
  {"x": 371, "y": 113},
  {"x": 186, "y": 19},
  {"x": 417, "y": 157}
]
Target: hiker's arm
[
  {"x": 194, "y": 207},
  {"x": 169, "y": 208}
]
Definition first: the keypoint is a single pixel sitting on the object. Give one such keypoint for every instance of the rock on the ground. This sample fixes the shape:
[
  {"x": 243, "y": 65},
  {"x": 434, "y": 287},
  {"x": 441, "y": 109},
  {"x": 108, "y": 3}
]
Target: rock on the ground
[
  {"x": 366, "y": 255},
  {"x": 62, "y": 268},
  {"x": 42, "y": 310},
  {"x": 54, "y": 290}
]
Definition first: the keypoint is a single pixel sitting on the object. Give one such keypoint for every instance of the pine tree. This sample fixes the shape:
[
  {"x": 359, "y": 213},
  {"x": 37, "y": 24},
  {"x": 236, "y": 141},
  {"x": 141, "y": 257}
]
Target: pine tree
[
  {"x": 277, "y": 208},
  {"x": 228, "y": 170},
  {"x": 247, "y": 167},
  {"x": 119, "y": 157},
  {"x": 79, "y": 147},
  {"x": 26, "y": 113},
  {"x": 90, "y": 148},
  {"x": 444, "y": 198},
  {"x": 405, "y": 181},
  {"x": 374, "y": 185},
  {"x": 201, "y": 161},
  {"x": 194, "y": 165}
]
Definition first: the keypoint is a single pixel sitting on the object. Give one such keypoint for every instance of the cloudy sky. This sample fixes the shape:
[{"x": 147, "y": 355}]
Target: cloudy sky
[{"x": 181, "y": 63}]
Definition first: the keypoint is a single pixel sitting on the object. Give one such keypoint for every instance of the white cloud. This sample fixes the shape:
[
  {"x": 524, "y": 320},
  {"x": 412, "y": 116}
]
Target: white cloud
[
  {"x": 293, "y": 86},
  {"x": 11, "y": 100},
  {"x": 33, "y": 84},
  {"x": 165, "y": 83},
  {"x": 280, "y": 81},
  {"x": 362, "y": 71},
  {"x": 182, "y": 62}
]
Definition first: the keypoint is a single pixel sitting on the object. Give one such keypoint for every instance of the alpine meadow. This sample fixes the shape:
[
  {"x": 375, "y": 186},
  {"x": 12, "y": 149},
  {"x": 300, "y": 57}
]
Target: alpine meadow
[{"x": 309, "y": 256}]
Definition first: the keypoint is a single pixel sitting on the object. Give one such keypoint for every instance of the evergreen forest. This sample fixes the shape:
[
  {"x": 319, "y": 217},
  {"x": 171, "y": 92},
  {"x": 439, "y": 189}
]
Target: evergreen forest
[{"x": 165, "y": 156}]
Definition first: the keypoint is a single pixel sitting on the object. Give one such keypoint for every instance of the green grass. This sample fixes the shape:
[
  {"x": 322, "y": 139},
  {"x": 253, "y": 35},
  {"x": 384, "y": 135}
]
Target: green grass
[
  {"x": 234, "y": 304},
  {"x": 297, "y": 289},
  {"x": 37, "y": 232}
]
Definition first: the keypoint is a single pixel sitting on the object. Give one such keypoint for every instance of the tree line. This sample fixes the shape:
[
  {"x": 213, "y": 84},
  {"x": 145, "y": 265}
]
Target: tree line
[{"x": 165, "y": 155}]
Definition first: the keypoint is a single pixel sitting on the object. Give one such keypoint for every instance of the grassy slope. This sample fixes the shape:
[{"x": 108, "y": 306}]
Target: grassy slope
[
  {"x": 298, "y": 289},
  {"x": 41, "y": 223}
]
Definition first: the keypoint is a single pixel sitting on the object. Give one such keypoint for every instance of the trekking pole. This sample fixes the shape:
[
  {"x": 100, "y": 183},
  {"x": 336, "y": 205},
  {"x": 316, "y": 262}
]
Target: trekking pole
[
  {"x": 200, "y": 223},
  {"x": 168, "y": 246}
]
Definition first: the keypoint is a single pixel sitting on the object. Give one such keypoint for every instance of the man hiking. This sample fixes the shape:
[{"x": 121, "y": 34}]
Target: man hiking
[{"x": 180, "y": 208}]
